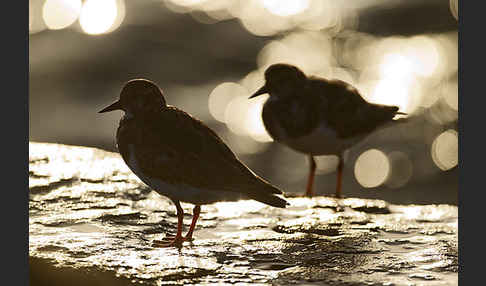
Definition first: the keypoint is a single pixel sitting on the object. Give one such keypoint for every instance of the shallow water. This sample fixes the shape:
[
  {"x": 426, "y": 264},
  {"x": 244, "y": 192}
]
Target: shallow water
[{"x": 90, "y": 217}]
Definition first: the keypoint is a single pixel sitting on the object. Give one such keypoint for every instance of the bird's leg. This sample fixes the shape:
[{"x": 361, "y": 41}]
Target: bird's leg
[
  {"x": 339, "y": 176},
  {"x": 178, "y": 239},
  {"x": 195, "y": 216},
  {"x": 310, "y": 181}
]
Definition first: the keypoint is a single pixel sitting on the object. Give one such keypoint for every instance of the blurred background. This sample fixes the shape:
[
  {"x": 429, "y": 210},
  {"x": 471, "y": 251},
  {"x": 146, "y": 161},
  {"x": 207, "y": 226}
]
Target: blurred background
[{"x": 208, "y": 56}]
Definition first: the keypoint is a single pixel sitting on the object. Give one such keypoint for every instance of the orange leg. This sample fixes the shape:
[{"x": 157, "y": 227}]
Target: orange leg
[
  {"x": 195, "y": 216},
  {"x": 178, "y": 239},
  {"x": 310, "y": 182},
  {"x": 339, "y": 176}
]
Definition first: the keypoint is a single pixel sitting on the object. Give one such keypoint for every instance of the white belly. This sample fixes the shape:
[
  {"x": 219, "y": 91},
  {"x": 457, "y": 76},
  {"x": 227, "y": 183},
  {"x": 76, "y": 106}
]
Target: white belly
[
  {"x": 180, "y": 192},
  {"x": 322, "y": 141}
]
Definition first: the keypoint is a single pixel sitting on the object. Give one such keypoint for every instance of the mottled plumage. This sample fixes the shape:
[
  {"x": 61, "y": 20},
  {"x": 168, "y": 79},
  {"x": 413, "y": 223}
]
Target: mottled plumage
[
  {"x": 317, "y": 116},
  {"x": 180, "y": 157}
]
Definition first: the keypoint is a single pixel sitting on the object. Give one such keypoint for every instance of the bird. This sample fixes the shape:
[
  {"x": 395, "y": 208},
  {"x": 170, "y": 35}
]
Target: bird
[
  {"x": 318, "y": 116},
  {"x": 181, "y": 158}
]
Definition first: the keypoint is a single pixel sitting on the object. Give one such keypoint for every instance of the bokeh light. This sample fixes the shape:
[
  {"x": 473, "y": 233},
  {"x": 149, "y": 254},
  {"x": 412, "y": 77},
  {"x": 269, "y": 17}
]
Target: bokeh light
[
  {"x": 59, "y": 14},
  {"x": 310, "y": 51},
  {"x": 371, "y": 168},
  {"x": 242, "y": 144},
  {"x": 253, "y": 80},
  {"x": 221, "y": 96},
  {"x": 101, "y": 16},
  {"x": 229, "y": 103},
  {"x": 270, "y": 17},
  {"x": 392, "y": 91},
  {"x": 120, "y": 15},
  {"x": 444, "y": 150},
  {"x": 453, "y": 5},
  {"x": 31, "y": 15},
  {"x": 236, "y": 115},
  {"x": 324, "y": 14},
  {"x": 450, "y": 93},
  {"x": 423, "y": 54},
  {"x": 254, "y": 121},
  {"x": 396, "y": 65},
  {"x": 417, "y": 73},
  {"x": 285, "y": 7},
  {"x": 188, "y": 2},
  {"x": 36, "y": 20}
]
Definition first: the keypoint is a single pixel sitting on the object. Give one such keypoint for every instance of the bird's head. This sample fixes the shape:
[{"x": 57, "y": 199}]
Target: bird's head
[
  {"x": 282, "y": 80},
  {"x": 138, "y": 96}
]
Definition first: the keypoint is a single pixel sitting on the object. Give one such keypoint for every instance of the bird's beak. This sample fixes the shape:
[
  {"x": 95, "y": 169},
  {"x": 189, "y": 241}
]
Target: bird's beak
[
  {"x": 260, "y": 91},
  {"x": 114, "y": 106}
]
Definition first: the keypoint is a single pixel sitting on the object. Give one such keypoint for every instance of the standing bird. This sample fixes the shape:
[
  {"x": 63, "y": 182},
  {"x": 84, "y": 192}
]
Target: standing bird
[
  {"x": 180, "y": 157},
  {"x": 317, "y": 116}
]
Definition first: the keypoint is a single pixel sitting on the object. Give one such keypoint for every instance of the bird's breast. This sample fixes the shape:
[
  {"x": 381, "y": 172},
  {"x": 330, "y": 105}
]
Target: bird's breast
[
  {"x": 173, "y": 191},
  {"x": 290, "y": 117},
  {"x": 322, "y": 140}
]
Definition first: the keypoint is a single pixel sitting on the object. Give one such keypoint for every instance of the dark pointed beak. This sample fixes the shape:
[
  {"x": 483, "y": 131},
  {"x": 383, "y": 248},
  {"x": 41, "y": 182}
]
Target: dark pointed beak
[
  {"x": 260, "y": 91},
  {"x": 114, "y": 106}
]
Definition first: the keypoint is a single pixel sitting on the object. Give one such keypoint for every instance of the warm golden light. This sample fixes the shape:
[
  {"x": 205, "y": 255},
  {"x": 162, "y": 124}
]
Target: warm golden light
[
  {"x": 254, "y": 122},
  {"x": 310, "y": 51},
  {"x": 398, "y": 84},
  {"x": 453, "y": 5},
  {"x": 321, "y": 15},
  {"x": 445, "y": 150},
  {"x": 257, "y": 19},
  {"x": 31, "y": 16},
  {"x": 98, "y": 16},
  {"x": 423, "y": 54},
  {"x": 59, "y": 14},
  {"x": 243, "y": 144},
  {"x": 120, "y": 16},
  {"x": 269, "y": 17},
  {"x": 36, "y": 20},
  {"x": 185, "y": 6},
  {"x": 229, "y": 103},
  {"x": 371, "y": 168},
  {"x": 392, "y": 91},
  {"x": 187, "y": 2},
  {"x": 236, "y": 114},
  {"x": 450, "y": 93},
  {"x": 396, "y": 65},
  {"x": 253, "y": 81},
  {"x": 401, "y": 70},
  {"x": 221, "y": 96},
  {"x": 236, "y": 209},
  {"x": 285, "y": 7},
  {"x": 274, "y": 52}
]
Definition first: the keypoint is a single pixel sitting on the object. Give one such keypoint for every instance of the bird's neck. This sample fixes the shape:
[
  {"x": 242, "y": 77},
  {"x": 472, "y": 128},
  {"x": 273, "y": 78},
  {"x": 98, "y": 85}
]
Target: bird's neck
[{"x": 129, "y": 114}]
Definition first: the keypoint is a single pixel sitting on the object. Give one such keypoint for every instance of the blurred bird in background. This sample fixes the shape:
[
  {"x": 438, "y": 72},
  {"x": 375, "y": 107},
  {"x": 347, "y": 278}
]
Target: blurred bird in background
[{"x": 317, "y": 116}]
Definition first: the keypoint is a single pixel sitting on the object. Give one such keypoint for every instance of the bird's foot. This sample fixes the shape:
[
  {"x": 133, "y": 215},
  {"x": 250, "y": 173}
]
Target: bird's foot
[{"x": 169, "y": 241}]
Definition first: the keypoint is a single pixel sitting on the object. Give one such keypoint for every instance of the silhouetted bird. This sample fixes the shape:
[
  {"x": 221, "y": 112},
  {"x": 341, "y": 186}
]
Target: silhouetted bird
[
  {"x": 317, "y": 116},
  {"x": 180, "y": 157}
]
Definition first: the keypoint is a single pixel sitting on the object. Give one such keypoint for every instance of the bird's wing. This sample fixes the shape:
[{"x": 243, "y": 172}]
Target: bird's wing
[
  {"x": 346, "y": 111},
  {"x": 180, "y": 149}
]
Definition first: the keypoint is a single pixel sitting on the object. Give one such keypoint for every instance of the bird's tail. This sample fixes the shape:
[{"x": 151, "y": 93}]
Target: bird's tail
[
  {"x": 267, "y": 193},
  {"x": 270, "y": 199},
  {"x": 385, "y": 113}
]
